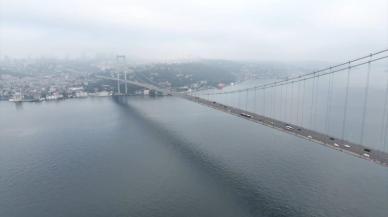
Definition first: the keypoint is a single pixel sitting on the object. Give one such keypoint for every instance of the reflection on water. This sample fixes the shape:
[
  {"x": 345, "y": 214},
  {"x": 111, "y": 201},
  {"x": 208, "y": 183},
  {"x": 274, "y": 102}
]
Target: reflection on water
[{"x": 18, "y": 106}]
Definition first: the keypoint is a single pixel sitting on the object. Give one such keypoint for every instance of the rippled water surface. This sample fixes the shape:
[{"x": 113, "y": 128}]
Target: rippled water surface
[{"x": 166, "y": 156}]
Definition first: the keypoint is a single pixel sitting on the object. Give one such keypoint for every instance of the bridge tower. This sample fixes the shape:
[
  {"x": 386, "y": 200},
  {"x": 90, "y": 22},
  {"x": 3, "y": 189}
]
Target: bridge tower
[
  {"x": 118, "y": 83},
  {"x": 120, "y": 67},
  {"x": 125, "y": 83}
]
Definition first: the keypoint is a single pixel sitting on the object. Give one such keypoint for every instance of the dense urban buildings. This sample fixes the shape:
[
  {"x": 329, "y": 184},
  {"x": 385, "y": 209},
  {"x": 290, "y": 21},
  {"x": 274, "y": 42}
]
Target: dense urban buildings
[{"x": 54, "y": 79}]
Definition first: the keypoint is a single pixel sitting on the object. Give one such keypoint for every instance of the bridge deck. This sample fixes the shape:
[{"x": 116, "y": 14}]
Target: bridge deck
[{"x": 357, "y": 150}]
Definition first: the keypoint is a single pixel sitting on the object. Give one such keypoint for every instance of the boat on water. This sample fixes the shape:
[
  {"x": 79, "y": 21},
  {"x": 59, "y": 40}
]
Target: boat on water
[
  {"x": 16, "y": 98},
  {"x": 19, "y": 100}
]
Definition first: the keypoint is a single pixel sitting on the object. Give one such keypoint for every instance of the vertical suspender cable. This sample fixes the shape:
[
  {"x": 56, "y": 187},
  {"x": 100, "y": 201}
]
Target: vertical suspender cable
[
  {"x": 293, "y": 116},
  {"x": 328, "y": 104},
  {"x": 302, "y": 110},
  {"x": 255, "y": 100},
  {"x": 292, "y": 103},
  {"x": 295, "y": 100},
  {"x": 286, "y": 103},
  {"x": 316, "y": 105},
  {"x": 264, "y": 102},
  {"x": 269, "y": 102},
  {"x": 239, "y": 99},
  {"x": 289, "y": 95},
  {"x": 281, "y": 104},
  {"x": 346, "y": 104},
  {"x": 276, "y": 102},
  {"x": 365, "y": 104},
  {"x": 312, "y": 103},
  {"x": 298, "y": 104},
  {"x": 272, "y": 103},
  {"x": 289, "y": 102},
  {"x": 384, "y": 126},
  {"x": 274, "y": 95},
  {"x": 332, "y": 90},
  {"x": 246, "y": 101},
  {"x": 386, "y": 134}
]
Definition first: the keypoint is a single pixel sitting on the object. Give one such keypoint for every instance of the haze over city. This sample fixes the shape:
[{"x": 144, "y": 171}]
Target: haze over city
[{"x": 163, "y": 30}]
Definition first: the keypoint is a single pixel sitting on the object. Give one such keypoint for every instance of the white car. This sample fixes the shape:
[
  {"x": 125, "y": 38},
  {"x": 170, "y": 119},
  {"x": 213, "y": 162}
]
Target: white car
[
  {"x": 347, "y": 146},
  {"x": 288, "y": 127},
  {"x": 310, "y": 137},
  {"x": 336, "y": 145},
  {"x": 366, "y": 155},
  {"x": 246, "y": 115}
]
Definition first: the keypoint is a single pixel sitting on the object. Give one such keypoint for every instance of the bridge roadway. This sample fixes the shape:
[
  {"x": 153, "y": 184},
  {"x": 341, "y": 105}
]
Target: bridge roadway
[
  {"x": 138, "y": 84},
  {"x": 357, "y": 150}
]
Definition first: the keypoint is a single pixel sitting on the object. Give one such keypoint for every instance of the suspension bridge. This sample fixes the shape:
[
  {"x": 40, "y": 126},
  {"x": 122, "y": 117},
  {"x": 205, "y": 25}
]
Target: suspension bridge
[{"x": 333, "y": 106}]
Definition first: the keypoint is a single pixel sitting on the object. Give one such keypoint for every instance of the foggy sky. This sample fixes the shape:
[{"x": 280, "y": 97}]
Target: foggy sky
[{"x": 175, "y": 29}]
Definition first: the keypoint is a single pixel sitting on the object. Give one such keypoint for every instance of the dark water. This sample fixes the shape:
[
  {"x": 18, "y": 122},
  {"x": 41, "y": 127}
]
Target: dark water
[{"x": 170, "y": 157}]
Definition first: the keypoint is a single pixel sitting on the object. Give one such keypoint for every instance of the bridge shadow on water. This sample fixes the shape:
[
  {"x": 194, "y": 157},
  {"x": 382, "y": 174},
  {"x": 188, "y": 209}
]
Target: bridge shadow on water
[{"x": 257, "y": 201}]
